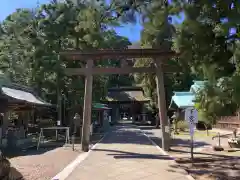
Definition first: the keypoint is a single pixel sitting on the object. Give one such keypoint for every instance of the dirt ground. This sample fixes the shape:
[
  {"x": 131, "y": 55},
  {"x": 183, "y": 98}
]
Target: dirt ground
[
  {"x": 208, "y": 164},
  {"x": 215, "y": 167}
]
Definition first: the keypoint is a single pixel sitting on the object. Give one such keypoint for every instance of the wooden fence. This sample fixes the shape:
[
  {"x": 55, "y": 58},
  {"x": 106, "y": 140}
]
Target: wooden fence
[{"x": 228, "y": 122}]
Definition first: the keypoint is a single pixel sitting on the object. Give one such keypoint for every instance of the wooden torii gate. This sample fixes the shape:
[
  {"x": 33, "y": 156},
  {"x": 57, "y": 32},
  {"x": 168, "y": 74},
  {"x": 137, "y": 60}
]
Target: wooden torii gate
[{"x": 159, "y": 68}]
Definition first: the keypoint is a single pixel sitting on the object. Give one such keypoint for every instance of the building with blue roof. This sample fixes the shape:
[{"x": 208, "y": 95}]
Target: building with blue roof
[
  {"x": 182, "y": 100},
  {"x": 186, "y": 99}
]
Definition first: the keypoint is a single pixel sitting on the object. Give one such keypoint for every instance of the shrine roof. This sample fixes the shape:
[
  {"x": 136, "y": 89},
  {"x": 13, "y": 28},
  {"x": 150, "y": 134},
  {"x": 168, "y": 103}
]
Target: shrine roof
[
  {"x": 17, "y": 94},
  {"x": 126, "y": 94}
]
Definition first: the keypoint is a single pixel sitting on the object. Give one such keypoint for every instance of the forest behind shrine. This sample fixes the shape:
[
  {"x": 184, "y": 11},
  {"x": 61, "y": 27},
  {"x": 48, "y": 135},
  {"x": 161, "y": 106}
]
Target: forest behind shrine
[{"x": 207, "y": 38}]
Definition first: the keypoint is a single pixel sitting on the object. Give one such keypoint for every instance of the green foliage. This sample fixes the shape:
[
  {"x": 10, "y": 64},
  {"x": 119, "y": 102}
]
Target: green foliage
[
  {"x": 207, "y": 50},
  {"x": 216, "y": 98},
  {"x": 159, "y": 32},
  {"x": 211, "y": 53},
  {"x": 31, "y": 40}
]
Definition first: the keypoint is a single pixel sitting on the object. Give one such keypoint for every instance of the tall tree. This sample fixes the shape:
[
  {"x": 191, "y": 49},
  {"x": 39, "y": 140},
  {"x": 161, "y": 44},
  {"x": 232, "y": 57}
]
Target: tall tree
[
  {"x": 205, "y": 41},
  {"x": 158, "y": 32},
  {"x": 31, "y": 40}
]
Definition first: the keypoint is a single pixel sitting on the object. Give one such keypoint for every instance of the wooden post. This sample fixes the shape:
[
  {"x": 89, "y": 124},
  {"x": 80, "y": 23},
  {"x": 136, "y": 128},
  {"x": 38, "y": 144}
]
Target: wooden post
[
  {"x": 87, "y": 109},
  {"x": 162, "y": 107},
  {"x": 5, "y": 122},
  {"x": 59, "y": 98},
  {"x": 192, "y": 146}
]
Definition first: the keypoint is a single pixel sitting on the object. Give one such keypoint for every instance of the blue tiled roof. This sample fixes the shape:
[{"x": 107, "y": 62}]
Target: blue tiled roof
[
  {"x": 186, "y": 99},
  {"x": 183, "y": 99}
]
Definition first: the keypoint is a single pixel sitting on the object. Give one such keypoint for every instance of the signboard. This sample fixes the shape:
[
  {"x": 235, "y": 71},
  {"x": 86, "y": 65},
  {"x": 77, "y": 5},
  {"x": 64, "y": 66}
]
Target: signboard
[{"x": 191, "y": 115}]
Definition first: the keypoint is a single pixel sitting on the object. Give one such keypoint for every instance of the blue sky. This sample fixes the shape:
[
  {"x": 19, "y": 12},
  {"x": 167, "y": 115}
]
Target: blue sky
[{"x": 8, "y": 6}]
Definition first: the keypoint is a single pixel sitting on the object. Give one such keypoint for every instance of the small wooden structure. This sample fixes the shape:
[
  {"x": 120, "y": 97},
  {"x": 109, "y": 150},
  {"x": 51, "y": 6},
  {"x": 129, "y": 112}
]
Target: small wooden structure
[
  {"x": 55, "y": 128},
  {"x": 159, "y": 66},
  {"x": 19, "y": 101}
]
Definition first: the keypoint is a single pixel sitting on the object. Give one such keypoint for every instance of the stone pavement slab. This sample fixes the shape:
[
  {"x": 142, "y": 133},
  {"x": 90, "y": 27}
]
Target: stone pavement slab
[{"x": 126, "y": 154}]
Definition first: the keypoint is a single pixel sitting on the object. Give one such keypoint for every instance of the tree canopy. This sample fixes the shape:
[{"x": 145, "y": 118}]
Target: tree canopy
[{"x": 30, "y": 40}]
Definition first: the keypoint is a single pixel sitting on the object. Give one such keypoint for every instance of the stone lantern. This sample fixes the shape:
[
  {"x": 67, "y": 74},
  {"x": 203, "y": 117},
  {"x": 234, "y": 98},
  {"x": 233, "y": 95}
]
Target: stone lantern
[{"x": 77, "y": 123}]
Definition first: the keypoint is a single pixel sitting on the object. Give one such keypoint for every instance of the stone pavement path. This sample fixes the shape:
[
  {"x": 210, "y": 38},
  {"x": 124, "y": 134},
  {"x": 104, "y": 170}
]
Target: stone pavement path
[{"x": 126, "y": 154}]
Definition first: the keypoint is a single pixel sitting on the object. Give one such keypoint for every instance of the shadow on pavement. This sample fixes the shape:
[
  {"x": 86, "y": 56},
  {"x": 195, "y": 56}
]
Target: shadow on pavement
[
  {"x": 204, "y": 155},
  {"x": 131, "y": 155},
  {"x": 128, "y": 134},
  {"x": 11, "y": 153},
  {"x": 148, "y": 128},
  {"x": 121, "y": 136},
  {"x": 207, "y": 165},
  {"x": 218, "y": 167},
  {"x": 155, "y": 136},
  {"x": 31, "y": 151},
  {"x": 187, "y": 143}
]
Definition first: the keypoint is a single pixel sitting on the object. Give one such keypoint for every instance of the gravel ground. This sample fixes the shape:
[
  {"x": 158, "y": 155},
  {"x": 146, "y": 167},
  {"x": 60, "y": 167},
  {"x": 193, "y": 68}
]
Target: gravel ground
[{"x": 45, "y": 163}]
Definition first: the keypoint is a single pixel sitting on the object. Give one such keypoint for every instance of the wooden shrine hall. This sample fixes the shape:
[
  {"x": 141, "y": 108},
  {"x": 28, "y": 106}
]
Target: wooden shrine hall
[
  {"x": 160, "y": 65},
  {"x": 126, "y": 102}
]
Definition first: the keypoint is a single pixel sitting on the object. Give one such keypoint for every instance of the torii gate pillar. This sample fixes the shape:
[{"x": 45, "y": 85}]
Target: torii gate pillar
[
  {"x": 165, "y": 129},
  {"x": 87, "y": 108}
]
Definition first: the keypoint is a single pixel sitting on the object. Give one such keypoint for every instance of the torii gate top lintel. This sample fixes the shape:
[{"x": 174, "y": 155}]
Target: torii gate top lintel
[
  {"x": 158, "y": 55},
  {"x": 115, "y": 53}
]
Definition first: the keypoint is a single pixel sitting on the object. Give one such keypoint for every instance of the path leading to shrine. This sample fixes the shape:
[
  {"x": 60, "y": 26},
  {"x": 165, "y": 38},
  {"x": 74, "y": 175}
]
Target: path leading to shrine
[{"x": 126, "y": 154}]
